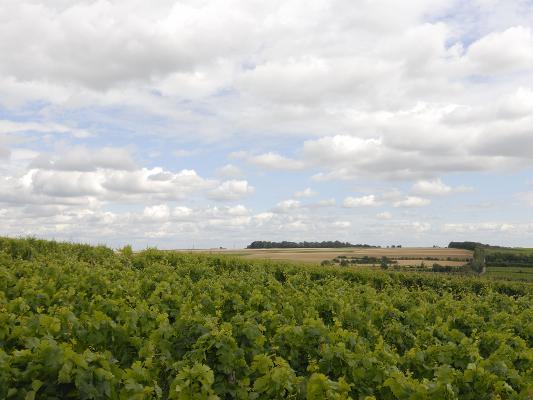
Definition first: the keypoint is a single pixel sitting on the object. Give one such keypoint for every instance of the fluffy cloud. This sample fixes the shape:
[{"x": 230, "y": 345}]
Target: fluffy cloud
[
  {"x": 357, "y": 83},
  {"x": 307, "y": 192},
  {"x": 96, "y": 95},
  {"x": 231, "y": 190},
  {"x": 502, "y": 52},
  {"x": 107, "y": 175},
  {"x": 326, "y": 203},
  {"x": 11, "y": 127},
  {"x": 229, "y": 171},
  {"x": 412, "y": 201},
  {"x": 85, "y": 159},
  {"x": 59, "y": 187},
  {"x": 155, "y": 182},
  {"x": 364, "y": 201},
  {"x": 350, "y": 157},
  {"x": 275, "y": 161},
  {"x": 158, "y": 212},
  {"x": 287, "y": 205},
  {"x": 182, "y": 212},
  {"x": 484, "y": 226},
  {"x": 77, "y": 40},
  {"x": 437, "y": 188}
]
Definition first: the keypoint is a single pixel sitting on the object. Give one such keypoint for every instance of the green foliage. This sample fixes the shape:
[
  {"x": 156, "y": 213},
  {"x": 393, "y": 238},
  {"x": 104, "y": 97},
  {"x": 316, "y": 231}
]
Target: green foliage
[
  {"x": 319, "y": 387},
  {"x": 84, "y": 322},
  {"x": 345, "y": 260},
  {"x": 478, "y": 262},
  {"x": 510, "y": 273},
  {"x": 466, "y": 245},
  {"x": 508, "y": 258},
  {"x": 384, "y": 262},
  {"x": 276, "y": 379},
  {"x": 194, "y": 383}
]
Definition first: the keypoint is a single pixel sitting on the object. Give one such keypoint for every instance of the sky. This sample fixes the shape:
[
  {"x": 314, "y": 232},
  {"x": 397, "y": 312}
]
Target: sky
[{"x": 208, "y": 123}]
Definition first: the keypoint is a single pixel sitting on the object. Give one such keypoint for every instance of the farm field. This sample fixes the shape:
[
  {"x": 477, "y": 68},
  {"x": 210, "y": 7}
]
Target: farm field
[
  {"x": 514, "y": 250},
  {"x": 509, "y": 263},
  {"x": 86, "y": 322},
  {"x": 405, "y": 256},
  {"x": 514, "y": 273}
]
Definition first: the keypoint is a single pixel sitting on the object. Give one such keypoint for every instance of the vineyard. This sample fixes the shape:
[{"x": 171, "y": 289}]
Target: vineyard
[{"x": 84, "y": 322}]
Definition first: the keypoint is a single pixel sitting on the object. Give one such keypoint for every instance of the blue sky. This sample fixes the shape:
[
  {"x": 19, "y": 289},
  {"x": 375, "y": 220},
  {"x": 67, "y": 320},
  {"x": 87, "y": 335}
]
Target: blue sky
[{"x": 213, "y": 123}]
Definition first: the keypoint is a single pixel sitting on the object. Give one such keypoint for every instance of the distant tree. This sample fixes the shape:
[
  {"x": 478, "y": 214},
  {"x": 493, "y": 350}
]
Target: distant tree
[
  {"x": 472, "y": 246},
  {"x": 262, "y": 244},
  {"x": 478, "y": 260},
  {"x": 127, "y": 251}
]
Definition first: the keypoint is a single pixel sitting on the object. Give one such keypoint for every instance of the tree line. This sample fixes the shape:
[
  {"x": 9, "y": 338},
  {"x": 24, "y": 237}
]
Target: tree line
[
  {"x": 493, "y": 257},
  {"x": 472, "y": 245},
  {"x": 263, "y": 244}
]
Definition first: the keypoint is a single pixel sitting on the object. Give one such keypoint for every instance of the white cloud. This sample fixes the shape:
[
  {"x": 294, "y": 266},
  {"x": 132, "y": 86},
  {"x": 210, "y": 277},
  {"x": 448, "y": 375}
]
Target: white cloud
[
  {"x": 11, "y": 127},
  {"x": 229, "y": 171},
  {"x": 412, "y": 201},
  {"x": 231, "y": 190},
  {"x": 481, "y": 227},
  {"x": 238, "y": 210},
  {"x": 275, "y": 161},
  {"x": 155, "y": 181},
  {"x": 364, "y": 201},
  {"x": 367, "y": 92},
  {"x": 359, "y": 77},
  {"x": 86, "y": 159},
  {"x": 504, "y": 51},
  {"x": 342, "y": 148},
  {"x": 432, "y": 188},
  {"x": 384, "y": 215},
  {"x": 436, "y": 187},
  {"x": 66, "y": 180},
  {"x": 181, "y": 212},
  {"x": 263, "y": 218},
  {"x": 421, "y": 227},
  {"x": 392, "y": 194},
  {"x": 287, "y": 205},
  {"x": 307, "y": 192},
  {"x": 144, "y": 43},
  {"x": 342, "y": 224},
  {"x": 350, "y": 157},
  {"x": 326, "y": 203},
  {"x": 158, "y": 212},
  {"x": 66, "y": 184}
]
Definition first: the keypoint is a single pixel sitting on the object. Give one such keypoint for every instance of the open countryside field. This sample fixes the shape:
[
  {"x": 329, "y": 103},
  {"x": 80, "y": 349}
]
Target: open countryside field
[
  {"x": 509, "y": 263},
  {"x": 514, "y": 273},
  {"x": 525, "y": 251},
  {"x": 405, "y": 256},
  {"x": 85, "y": 322}
]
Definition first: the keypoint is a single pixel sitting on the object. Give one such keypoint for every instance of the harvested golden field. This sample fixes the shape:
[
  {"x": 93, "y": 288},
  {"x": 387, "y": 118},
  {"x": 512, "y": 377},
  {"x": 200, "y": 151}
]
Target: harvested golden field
[{"x": 405, "y": 256}]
